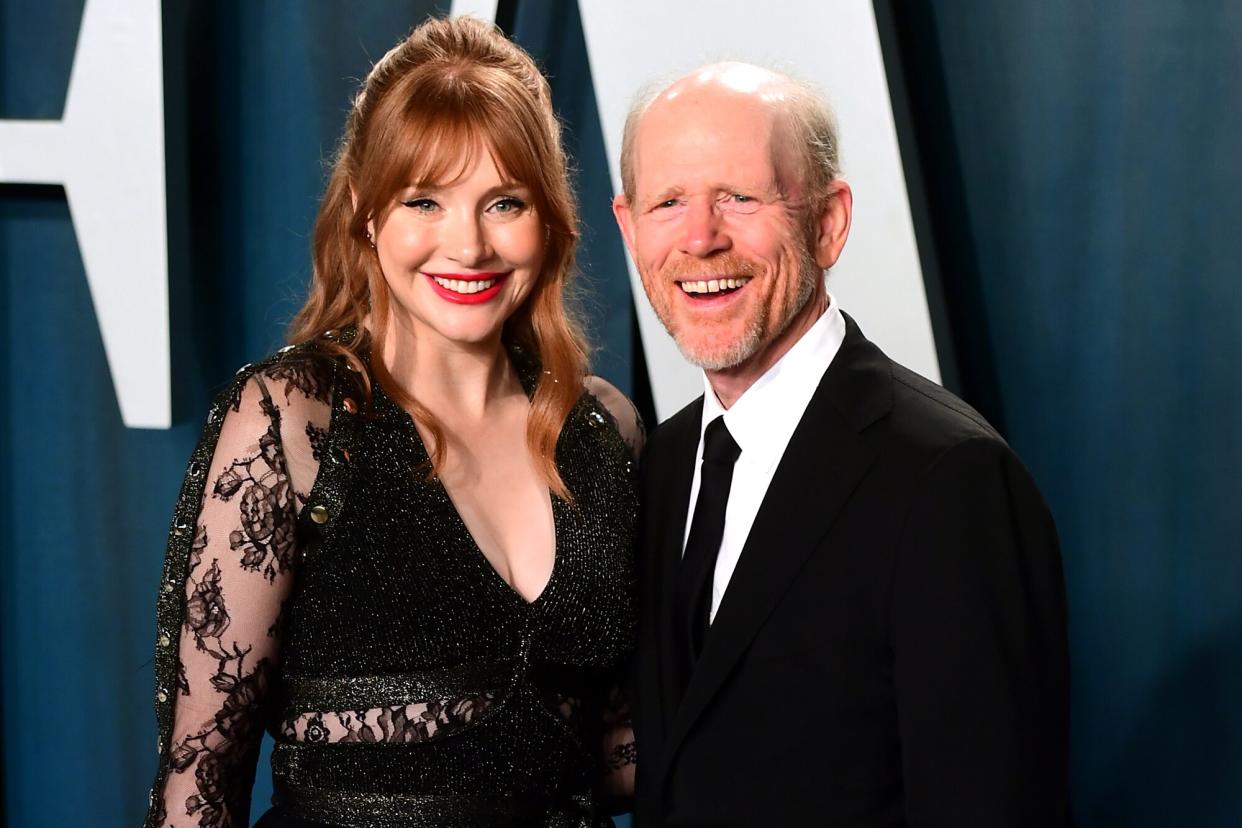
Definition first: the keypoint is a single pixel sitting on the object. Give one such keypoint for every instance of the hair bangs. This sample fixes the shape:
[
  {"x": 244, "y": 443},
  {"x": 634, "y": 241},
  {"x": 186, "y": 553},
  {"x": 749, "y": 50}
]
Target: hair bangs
[
  {"x": 418, "y": 148},
  {"x": 441, "y": 123}
]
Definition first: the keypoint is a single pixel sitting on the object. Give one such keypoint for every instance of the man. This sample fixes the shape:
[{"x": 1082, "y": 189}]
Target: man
[{"x": 853, "y": 601}]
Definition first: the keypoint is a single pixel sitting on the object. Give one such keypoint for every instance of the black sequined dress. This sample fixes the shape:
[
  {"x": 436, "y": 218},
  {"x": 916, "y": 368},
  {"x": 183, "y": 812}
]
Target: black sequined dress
[{"x": 320, "y": 586}]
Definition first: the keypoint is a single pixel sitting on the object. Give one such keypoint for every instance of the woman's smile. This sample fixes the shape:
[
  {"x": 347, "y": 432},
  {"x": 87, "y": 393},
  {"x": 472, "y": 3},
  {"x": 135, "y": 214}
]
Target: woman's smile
[{"x": 468, "y": 288}]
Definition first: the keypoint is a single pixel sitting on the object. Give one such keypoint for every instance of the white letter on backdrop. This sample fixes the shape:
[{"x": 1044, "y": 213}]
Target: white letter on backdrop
[{"x": 108, "y": 152}]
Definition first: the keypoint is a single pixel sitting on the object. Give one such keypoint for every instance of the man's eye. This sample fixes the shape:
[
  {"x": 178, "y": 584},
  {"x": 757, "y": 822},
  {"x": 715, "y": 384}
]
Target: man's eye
[
  {"x": 421, "y": 205},
  {"x": 739, "y": 203},
  {"x": 664, "y": 205}
]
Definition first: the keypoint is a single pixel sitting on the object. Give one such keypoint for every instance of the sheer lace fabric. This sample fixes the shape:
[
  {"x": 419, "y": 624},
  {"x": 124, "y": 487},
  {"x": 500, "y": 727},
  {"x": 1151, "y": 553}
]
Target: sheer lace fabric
[
  {"x": 418, "y": 722},
  {"x": 240, "y": 572}
]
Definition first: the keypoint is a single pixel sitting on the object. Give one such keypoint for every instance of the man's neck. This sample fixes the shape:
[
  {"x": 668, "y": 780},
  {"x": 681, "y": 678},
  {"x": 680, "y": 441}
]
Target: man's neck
[{"x": 731, "y": 383}]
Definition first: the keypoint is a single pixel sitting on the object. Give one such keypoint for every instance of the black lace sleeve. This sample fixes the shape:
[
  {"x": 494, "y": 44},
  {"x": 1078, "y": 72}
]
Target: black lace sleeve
[
  {"x": 224, "y": 584},
  {"x": 620, "y": 753}
]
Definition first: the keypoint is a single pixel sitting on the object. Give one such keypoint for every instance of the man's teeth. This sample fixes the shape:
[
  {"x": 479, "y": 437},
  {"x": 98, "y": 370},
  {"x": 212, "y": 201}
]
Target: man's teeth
[
  {"x": 713, "y": 285},
  {"x": 464, "y": 286}
]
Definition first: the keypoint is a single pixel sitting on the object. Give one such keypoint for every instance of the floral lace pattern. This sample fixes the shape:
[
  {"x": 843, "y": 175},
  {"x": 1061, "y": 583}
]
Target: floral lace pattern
[
  {"x": 620, "y": 752},
  {"x": 303, "y": 376},
  {"x": 230, "y": 740},
  {"x": 418, "y": 722},
  {"x": 239, "y": 573},
  {"x": 266, "y": 535}
]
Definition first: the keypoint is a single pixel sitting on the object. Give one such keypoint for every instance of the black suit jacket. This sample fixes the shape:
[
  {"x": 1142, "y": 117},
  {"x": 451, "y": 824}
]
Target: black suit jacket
[{"x": 891, "y": 649}]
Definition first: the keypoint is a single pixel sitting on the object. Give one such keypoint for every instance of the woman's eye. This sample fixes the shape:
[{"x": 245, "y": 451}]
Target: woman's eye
[
  {"x": 508, "y": 205},
  {"x": 421, "y": 205}
]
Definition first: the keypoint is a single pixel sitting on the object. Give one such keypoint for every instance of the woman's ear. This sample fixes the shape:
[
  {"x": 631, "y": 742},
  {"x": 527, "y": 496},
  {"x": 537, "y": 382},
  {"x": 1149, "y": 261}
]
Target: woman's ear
[{"x": 370, "y": 228}]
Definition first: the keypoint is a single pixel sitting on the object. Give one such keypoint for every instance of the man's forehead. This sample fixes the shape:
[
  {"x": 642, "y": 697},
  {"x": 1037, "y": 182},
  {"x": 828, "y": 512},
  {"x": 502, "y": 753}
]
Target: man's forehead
[
  {"x": 684, "y": 134},
  {"x": 732, "y": 97},
  {"x": 711, "y": 111},
  {"x": 743, "y": 80}
]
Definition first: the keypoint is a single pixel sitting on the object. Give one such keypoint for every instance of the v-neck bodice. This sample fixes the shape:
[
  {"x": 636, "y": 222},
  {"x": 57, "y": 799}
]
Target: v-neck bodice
[
  {"x": 426, "y": 607},
  {"x": 456, "y": 522}
]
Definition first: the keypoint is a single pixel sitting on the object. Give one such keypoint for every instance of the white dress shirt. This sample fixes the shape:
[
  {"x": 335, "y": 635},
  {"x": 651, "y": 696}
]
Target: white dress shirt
[{"x": 762, "y": 421}]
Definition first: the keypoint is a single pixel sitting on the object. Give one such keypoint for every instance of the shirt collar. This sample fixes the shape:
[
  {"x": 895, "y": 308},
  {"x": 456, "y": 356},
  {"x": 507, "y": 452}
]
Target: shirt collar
[{"x": 765, "y": 416}]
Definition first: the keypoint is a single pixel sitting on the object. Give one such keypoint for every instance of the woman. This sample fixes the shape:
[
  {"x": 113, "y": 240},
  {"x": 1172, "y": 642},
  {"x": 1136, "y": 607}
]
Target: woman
[{"x": 403, "y": 543}]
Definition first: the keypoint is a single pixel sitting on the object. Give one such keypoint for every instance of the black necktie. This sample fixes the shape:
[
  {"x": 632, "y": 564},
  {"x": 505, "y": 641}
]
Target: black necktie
[{"x": 692, "y": 599}]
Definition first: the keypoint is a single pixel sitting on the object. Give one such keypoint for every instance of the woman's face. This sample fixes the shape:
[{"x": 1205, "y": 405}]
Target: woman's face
[{"x": 459, "y": 258}]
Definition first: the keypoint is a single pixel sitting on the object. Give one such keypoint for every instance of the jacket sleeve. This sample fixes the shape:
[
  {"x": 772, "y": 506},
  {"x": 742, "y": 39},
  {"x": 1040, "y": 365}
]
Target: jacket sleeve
[
  {"x": 978, "y": 631},
  {"x": 228, "y": 569}
]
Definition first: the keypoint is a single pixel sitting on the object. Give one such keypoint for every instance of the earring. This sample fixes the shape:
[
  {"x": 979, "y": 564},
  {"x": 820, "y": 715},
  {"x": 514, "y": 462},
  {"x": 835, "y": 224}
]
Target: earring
[{"x": 370, "y": 240}]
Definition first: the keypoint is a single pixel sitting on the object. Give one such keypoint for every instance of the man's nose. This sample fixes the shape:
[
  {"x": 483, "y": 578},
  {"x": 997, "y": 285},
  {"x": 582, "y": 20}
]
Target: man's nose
[
  {"x": 466, "y": 241},
  {"x": 702, "y": 232}
]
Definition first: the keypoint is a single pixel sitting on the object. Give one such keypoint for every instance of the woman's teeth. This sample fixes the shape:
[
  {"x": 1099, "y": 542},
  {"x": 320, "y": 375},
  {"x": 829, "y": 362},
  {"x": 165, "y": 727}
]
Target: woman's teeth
[
  {"x": 713, "y": 285},
  {"x": 464, "y": 286}
]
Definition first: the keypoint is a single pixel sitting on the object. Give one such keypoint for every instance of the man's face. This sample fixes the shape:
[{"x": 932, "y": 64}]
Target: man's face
[{"x": 719, "y": 227}]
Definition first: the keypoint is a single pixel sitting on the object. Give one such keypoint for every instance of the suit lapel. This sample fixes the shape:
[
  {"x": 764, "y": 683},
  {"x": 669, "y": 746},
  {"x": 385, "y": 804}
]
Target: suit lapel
[{"x": 825, "y": 460}]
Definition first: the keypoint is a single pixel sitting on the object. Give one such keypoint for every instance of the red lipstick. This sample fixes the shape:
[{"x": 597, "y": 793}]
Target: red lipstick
[{"x": 461, "y": 297}]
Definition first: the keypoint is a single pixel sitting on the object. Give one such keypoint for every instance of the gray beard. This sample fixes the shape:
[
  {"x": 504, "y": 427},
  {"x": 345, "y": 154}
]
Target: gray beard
[{"x": 751, "y": 340}]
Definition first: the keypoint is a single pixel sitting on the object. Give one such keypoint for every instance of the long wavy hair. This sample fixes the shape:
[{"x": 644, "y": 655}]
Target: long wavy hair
[{"x": 452, "y": 88}]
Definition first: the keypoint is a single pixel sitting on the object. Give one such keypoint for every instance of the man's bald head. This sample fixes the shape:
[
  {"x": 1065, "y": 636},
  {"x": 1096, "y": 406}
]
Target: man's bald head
[{"x": 809, "y": 129}]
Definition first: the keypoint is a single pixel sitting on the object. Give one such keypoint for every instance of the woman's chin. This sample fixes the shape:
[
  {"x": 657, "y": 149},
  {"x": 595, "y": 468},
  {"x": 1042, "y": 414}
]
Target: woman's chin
[{"x": 470, "y": 337}]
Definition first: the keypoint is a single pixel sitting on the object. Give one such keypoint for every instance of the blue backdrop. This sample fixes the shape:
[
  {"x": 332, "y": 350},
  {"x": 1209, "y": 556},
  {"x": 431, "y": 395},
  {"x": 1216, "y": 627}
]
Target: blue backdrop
[{"x": 1081, "y": 166}]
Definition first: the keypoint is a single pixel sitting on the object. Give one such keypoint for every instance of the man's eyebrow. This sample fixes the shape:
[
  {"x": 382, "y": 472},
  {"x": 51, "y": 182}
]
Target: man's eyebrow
[
  {"x": 663, "y": 195},
  {"x": 767, "y": 186}
]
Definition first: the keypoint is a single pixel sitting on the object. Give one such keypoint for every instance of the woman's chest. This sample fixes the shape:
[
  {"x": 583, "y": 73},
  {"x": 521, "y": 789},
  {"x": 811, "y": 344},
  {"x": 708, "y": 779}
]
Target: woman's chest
[{"x": 395, "y": 579}]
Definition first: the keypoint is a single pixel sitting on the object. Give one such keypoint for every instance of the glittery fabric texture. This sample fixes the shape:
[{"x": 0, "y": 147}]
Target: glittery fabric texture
[{"x": 411, "y": 684}]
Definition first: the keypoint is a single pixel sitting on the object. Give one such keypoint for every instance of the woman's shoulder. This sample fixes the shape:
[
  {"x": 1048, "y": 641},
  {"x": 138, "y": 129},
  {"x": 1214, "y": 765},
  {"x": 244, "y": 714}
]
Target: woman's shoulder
[
  {"x": 620, "y": 410},
  {"x": 300, "y": 377},
  {"x": 286, "y": 397},
  {"x": 281, "y": 407}
]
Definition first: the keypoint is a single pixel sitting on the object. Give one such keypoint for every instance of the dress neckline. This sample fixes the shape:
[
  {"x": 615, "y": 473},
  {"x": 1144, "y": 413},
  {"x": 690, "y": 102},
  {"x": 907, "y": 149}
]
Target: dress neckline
[{"x": 527, "y": 376}]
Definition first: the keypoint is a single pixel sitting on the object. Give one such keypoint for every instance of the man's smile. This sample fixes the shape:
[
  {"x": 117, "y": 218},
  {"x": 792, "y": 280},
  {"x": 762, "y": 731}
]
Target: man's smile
[{"x": 713, "y": 286}]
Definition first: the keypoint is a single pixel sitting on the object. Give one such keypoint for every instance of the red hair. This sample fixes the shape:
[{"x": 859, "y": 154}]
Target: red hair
[{"x": 451, "y": 88}]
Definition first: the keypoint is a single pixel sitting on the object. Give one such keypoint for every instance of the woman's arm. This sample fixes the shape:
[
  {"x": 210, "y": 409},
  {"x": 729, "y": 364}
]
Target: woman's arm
[
  {"x": 619, "y": 753},
  {"x": 625, "y": 416},
  {"x": 239, "y": 570}
]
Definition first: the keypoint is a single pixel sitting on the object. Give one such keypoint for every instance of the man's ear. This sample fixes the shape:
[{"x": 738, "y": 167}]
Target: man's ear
[
  {"x": 833, "y": 224},
  {"x": 625, "y": 220}
]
